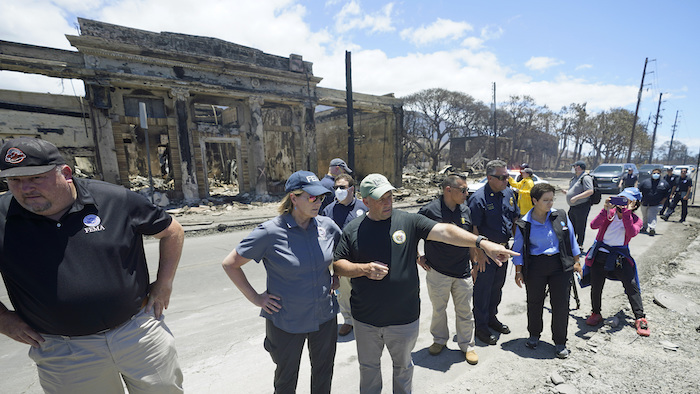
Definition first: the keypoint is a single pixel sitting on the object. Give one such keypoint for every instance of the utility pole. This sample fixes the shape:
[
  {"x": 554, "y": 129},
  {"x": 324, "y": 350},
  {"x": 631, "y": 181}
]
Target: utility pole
[
  {"x": 495, "y": 136},
  {"x": 636, "y": 111},
  {"x": 673, "y": 133},
  {"x": 350, "y": 110},
  {"x": 653, "y": 136}
]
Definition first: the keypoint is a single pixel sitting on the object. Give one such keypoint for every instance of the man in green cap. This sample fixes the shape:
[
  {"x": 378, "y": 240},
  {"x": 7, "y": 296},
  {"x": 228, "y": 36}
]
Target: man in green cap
[{"x": 378, "y": 252}]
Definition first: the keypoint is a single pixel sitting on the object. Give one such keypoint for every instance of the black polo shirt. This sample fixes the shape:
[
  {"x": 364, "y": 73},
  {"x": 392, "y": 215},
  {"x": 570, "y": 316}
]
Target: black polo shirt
[
  {"x": 683, "y": 184},
  {"x": 394, "y": 299},
  {"x": 494, "y": 213},
  {"x": 653, "y": 191},
  {"x": 86, "y": 272},
  {"x": 444, "y": 258}
]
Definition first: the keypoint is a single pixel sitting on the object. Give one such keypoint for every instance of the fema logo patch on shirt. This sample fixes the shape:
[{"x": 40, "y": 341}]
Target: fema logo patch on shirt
[
  {"x": 359, "y": 212},
  {"x": 399, "y": 237},
  {"x": 92, "y": 223}
]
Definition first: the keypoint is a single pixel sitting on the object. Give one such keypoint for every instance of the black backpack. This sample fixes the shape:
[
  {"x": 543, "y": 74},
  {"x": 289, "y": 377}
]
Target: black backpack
[{"x": 596, "y": 196}]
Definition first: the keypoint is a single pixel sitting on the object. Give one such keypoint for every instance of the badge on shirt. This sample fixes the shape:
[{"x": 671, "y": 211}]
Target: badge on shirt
[
  {"x": 563, "y": 226},
  {"x": 359, "y": 212},
  {"x": 464, "y": 221},
  {"x": 399, "y": 237},
  {"x": 511, "y": 201},
  {"x": 92, "y": 223},
  {"x": 322, "y": 233}
]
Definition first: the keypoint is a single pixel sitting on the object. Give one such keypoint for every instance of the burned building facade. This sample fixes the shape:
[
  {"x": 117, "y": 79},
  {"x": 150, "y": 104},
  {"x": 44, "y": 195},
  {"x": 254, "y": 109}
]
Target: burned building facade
[{"x": 214, "y": 111}]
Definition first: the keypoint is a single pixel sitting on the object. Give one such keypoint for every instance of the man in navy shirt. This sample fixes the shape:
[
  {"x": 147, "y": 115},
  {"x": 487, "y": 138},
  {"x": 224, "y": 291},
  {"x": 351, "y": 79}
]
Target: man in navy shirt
[
  {"x": 448, "y": 270},
  {"x": 494, "y": 211},
  {"x": 684, "y": 189},
  {"x": 335, "y": 168},
  {"x": 671, "y": 179},
  {"x": 343, "y": 210}
]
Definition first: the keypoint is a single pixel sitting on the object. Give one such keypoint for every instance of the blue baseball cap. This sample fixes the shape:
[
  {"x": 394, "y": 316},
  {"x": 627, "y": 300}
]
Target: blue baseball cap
[
  {"x": 631, "y": 193},
  {"x": 306, "y": 181}
]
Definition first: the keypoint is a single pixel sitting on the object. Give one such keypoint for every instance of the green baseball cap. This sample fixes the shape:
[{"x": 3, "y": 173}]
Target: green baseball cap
[{"x": 375, "y": 185}]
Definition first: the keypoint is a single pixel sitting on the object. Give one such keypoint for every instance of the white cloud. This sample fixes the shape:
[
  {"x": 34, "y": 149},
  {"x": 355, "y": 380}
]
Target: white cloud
[
  {"x": 352, "y": 17},
  {"x": 584, "y": 67},
  {"x": 541, "y": 63},
  {"x": 491, "y": 32},
  {"x": 441, "y": 29},
  {"x": 473, "y": 43}
]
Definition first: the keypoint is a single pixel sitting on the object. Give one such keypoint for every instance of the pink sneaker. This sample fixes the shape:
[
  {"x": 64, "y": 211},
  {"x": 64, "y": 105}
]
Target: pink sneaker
[
  {"x": 642, "y": 327},
  {"x": 594, "y": 319}
]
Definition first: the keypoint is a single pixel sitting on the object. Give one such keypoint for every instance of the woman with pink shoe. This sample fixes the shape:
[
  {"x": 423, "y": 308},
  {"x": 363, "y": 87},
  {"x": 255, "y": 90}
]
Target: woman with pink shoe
[{"x": 609, "y": 257}]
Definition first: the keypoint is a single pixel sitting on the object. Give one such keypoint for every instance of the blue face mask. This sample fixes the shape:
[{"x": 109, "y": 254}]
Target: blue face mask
[{"x": 655, "y": 176}]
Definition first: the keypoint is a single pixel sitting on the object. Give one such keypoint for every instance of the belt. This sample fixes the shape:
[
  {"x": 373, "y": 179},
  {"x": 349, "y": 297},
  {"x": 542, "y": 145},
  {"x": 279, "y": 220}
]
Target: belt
[{"x": 545, "y": 255}]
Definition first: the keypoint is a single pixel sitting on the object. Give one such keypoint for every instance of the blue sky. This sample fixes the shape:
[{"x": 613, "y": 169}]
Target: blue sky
[{"x": 558, "y": 52}]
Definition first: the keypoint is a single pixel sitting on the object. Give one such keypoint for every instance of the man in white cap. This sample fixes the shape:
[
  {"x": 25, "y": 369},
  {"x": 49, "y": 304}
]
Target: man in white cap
[
  {"x": 72, "y": 258},
  {"x": 379, "y": 251}
]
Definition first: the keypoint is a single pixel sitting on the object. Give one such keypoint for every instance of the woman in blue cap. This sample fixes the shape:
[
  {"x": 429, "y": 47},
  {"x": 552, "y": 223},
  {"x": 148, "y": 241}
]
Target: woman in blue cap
[
  {"x": 296, "y": 248},
  {"x": 609, "y": 257}
]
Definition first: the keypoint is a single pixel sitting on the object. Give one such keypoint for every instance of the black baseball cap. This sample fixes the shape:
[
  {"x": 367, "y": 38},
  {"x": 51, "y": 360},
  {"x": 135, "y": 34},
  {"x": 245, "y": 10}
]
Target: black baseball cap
[{"x": 28, "y": 156}]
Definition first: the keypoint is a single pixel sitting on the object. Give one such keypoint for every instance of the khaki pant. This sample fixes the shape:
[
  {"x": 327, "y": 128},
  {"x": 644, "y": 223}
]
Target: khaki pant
[
  {"x": 344, "y": 299},
  {"x": 140, "y": 351},
  {"x": 440, "y": 287}
]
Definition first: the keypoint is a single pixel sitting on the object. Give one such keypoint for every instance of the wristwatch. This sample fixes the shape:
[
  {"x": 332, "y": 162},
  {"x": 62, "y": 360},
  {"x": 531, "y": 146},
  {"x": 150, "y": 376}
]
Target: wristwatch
[{"x": 478, "y": 241}]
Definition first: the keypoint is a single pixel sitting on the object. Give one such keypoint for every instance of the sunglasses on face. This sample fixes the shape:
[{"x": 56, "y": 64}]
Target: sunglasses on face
[
  {"x": 500, "y": 177},
  {"x": 313, "y": 199},
  {"x": 341, "y": 187},
  {"x": 461, "y": 189}
]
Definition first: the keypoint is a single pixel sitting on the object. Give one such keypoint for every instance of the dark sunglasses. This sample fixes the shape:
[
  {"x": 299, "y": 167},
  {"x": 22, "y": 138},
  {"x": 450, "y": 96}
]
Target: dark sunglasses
[
  {"x": 500, "y": 177},
  {"x": 341, "y": 187},
  {"x": 461, "y": 189},
  {"x": 313, "y": 199}
]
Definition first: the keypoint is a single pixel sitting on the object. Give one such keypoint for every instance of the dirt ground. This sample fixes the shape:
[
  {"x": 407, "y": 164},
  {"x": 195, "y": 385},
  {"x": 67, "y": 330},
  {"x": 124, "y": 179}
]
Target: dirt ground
[{"x": 606, "y": 359}]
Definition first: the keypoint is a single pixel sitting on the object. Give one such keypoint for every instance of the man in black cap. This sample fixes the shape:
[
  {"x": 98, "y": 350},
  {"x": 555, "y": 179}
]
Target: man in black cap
[
  {"x": 336, "y": 168},
  {"x": 578, "y": 196},
  {"x": 72, "y": 258}
]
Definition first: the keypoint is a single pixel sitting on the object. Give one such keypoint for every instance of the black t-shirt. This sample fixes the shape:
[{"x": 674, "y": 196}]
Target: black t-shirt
[
  {"x": 444, "y": 258},
  {"x": 86, "y": 272},
  {"x": 653, "y": 191},
  {"x": 629, "y": 180},
  {"x": 393, "y": 300}
]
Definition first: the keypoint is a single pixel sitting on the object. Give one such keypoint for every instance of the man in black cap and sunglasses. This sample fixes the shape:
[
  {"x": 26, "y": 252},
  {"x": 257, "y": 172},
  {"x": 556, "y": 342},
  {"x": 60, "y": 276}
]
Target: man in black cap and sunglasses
[
  {"x": 494, "y": 212},
  {"x": 72, "y": 258},
  {"x": 578, "y": 196}
]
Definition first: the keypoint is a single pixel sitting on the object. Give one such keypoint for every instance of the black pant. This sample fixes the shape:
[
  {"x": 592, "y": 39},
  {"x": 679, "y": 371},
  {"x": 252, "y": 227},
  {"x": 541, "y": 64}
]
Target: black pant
[
  {"x": 543, "y": 271},
  {"x": 625, "y": 273},
  {"x": 285, "y": 349},
  {"x": 684, "y": 205},
  {"x": 578, "y": 214}
]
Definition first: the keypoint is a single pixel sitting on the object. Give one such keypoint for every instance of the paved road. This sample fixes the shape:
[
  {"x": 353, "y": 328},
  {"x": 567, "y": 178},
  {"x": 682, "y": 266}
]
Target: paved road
[{"x": 219, "y": 333}]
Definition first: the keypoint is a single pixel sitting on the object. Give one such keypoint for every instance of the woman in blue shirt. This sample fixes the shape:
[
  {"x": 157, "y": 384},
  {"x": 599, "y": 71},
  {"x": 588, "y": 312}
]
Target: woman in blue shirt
[
  {"x": 298, "y": 304},
  {"x": 548, "y": 254}
]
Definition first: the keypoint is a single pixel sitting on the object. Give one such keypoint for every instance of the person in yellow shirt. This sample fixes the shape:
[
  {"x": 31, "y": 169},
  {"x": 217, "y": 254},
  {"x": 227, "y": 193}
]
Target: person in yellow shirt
[{"x": 524, "y": 186}]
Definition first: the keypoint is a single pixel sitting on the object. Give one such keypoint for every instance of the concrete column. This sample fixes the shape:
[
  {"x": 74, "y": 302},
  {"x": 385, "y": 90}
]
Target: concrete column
[
  {"x": 309, "y": 137},
  {"x": 105, "y": 150},
  {"x": 186, "y": 149},
  {"x": 256, "y": 152}
]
